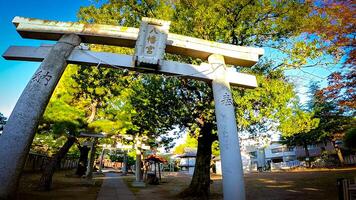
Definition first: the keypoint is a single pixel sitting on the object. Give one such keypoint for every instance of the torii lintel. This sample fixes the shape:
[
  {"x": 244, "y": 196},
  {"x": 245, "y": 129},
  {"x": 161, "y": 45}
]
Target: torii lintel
[{"x": 127, "y": 36}]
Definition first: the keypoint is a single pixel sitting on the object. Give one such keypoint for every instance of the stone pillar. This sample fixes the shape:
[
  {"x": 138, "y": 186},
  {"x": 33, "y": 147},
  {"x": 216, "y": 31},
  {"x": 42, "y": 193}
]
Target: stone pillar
[
  {"x": 138, "y": 181},
  {"x": 231, "y": 163},
  {"x": 138, "y": 166},
  {"x": 124, "y": 167},
  {"x": 101, "y": 160},
  {"x": 20, "y": 129},
  {"x": 90, "y": 167}
]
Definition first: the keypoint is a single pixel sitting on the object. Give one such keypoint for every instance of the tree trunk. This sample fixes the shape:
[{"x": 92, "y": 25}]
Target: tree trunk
[
  {"x": 199, "y": 187},
  {"x": 89, "y": 170},
  {"x": 93, "y": 111},
  {"x": 307, "y": 155},
  {"x": 83, "y": 160},
  {"x": 338, "y": 153},
  {"x": 340, "y": 156},
  {"x": 47, "y": 174}
]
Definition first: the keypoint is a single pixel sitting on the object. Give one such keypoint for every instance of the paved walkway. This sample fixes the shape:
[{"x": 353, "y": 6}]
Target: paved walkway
[{"x": 114, "y": 188}]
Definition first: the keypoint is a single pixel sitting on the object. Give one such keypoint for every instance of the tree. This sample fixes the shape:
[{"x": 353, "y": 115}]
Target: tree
[
  {"x": 153, "y": 100},
  {"x": 276, "y": 24},
  {"x": 240, "y": 23},
  {"x": 60, "y": 119},
  {"x": 95, "y": 90},
  {"x": 78, "y": 106},
  {"x": 333, "y": 121},
  {"x": 336, "y": 28},
  {"x": 350, "y": 139},
  {"x": 297, "y": 131},
  {"x": 204, "y": 21},
  {"x": 337, "y": 32},
  {"x": 2, "y": 121}
]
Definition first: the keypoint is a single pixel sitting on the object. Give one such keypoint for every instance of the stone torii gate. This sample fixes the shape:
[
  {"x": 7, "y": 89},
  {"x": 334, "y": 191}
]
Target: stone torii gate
[{"x": 151, "y": 41}]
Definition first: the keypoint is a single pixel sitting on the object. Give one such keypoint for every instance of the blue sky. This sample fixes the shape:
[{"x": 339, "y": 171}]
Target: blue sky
[{"x": 14, "y": 75}]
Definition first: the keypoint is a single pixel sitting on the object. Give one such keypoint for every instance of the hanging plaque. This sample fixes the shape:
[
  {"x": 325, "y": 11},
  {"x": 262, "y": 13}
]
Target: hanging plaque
[{"x": 151, "y": 43}]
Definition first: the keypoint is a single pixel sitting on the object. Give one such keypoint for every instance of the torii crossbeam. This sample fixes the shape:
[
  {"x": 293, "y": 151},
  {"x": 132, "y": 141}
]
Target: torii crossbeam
[
  {"x": 150, "y": 42},
  {"x": 202, "y": 72}
]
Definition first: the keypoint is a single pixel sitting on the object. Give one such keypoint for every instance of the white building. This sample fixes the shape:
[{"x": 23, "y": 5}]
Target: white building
[
  {"x": 187, "y": 160},
  {"x": 272, "y": 156},
  {"x": 246, "y": 163},
  {"x": 277, "y": 152},
  {"x": 279, "y": 156}
]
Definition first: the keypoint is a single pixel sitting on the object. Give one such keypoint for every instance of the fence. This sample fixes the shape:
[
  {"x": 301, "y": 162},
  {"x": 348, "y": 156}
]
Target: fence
[
  {"x": 108, "y": 163},
  {"x": 346, "y": 189},
  {"x": 350, "y": 159},
  {"x": 37, "y": 162}
]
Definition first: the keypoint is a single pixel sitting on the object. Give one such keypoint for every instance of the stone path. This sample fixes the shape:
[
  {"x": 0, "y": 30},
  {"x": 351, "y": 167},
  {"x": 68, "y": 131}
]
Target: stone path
[{"x": 114, "y": 188}]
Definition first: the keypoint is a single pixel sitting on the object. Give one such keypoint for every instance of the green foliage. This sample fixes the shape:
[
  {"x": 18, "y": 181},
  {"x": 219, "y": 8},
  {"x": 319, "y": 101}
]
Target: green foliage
[
  {"x": 99, "y": 93},
  {"x": 160, "y": 102},
  {"x": 215, "y": 148},
  {"x": 299, "y": 122},
  {"x": 60, "y": 116},
  {"x": 324, "y": 122},
  {"x": 106, "y": 126},
  {"x": 300, "y": 139},
  {"x": 72, "y": 104},
  {"x": 125, "y": 12},
  {"x": 239, "y": 22},
  {"x": 65, "y": 119},
  {"x": 189, "y": 142},
  {"x": 2, "y": 121},
  {"x": 350, "y": 138},
  {"x": 98, "y": 84},
  {"x": 270, "y": 102},
  {"x": 118, "y": 157},
  {"x": 297, "y": 129},
  {"x": 333, "y": 121},
  {"x": 49, "y": 144},
  {"x": 152, "y": 98}
]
